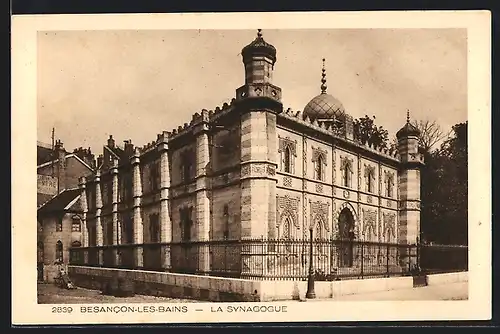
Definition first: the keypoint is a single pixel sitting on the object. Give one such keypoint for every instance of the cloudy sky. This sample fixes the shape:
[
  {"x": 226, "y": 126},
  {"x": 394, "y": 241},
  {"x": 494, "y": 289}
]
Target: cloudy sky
[{"x": 135, "y": 84}]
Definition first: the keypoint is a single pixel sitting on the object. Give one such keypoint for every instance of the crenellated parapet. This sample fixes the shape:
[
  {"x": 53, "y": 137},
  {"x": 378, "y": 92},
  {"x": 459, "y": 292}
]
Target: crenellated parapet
[{"x": 328, "y": 129}]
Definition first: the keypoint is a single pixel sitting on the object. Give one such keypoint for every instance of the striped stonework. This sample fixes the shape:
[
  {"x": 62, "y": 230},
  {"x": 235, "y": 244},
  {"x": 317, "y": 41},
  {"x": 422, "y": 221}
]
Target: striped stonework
[
  {"x": 258, "y": 183},
  {"x": 202, "y": 200},
  {"x": 259, "y": 70},
  {"x": 165, "y": 221},
  {"x": 115, "y": 222},
  {"x": 137, "y": 219},
  {"x": 409, "y": 192}
]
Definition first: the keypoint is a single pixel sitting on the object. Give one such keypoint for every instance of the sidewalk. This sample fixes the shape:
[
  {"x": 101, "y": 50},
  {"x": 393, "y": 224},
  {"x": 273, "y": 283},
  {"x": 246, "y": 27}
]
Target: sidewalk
[
  {"x": 452, "y": 291},
  {"x": 51, "y": 294}
]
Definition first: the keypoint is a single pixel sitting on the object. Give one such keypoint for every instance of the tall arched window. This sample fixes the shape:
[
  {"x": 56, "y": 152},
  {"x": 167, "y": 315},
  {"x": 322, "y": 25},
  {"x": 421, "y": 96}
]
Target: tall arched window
[
  {"x": 320, "y": 168},
  {"x": 389, "y": 185},
  {"x": 371, "y": 182},
  {"x": 319, "y": 236},
  {"x": 286, "y": 234},
  {"x": 347, "y": 175},
  {"x": 59, "y": 251},
  {"x": 287, "y": 160}
]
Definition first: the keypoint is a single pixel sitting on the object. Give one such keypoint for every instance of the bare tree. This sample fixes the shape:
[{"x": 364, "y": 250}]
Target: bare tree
[{"x": 430, "y": 134}]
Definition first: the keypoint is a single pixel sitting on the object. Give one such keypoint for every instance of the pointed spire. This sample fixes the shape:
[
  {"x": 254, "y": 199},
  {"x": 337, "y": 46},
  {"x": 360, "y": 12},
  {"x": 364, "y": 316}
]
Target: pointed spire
[
  {"x": 259, "y": 33},
  {"x": 407, "y": 115},
  {"x": 323, "y": 79}
]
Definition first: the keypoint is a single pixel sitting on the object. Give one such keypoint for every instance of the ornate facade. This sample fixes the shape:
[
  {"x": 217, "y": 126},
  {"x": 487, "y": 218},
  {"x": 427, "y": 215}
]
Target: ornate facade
[{"x": 251, "y": 169}]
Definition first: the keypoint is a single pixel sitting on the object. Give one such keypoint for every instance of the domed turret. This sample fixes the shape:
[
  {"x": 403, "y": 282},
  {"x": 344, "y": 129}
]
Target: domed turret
[
  {"x": 408, "y": 130},
  {"x": 324, "y": 106},
  {"x": 258, "y": 47}
]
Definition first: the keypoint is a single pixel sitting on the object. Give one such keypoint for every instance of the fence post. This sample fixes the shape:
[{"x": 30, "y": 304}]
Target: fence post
[{"x": 310, "y": 294}]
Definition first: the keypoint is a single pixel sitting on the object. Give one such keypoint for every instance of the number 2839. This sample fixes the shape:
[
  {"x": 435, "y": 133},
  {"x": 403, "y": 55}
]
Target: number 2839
[{"x": 62, "y": 309}]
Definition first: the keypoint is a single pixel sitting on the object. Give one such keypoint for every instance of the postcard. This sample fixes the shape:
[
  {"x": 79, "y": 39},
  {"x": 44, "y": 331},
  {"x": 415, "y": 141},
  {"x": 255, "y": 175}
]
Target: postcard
[{"x": 251, "y": 167}]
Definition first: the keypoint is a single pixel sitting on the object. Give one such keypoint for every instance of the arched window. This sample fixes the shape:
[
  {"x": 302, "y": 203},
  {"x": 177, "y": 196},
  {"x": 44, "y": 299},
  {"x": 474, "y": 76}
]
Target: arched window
[
  {"x": 59, "y": 251},
  {"x": 287, "y": 160},
  {"x": 320, "y": 168},
  {"x": 320, "y": 237},
  {"x": 389, "y": 185},
  {"x": 371, "y": 182},
  {"x": 347, "y": 175},
  {"x": 286, "y": 234}
]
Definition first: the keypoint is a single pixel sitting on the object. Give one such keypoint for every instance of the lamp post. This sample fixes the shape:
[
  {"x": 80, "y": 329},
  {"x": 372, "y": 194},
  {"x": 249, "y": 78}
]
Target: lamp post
[{"x": 310, "y": 294}]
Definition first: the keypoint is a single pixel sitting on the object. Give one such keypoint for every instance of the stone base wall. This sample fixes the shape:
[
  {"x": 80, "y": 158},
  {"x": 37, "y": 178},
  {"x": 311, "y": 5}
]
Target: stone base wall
[
  {"x": 207, "y": 288},
  {"x": 219, "y": 289}
]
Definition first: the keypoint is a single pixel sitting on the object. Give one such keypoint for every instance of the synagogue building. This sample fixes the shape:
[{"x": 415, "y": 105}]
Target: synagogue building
[{"x": 250, "y": 170}]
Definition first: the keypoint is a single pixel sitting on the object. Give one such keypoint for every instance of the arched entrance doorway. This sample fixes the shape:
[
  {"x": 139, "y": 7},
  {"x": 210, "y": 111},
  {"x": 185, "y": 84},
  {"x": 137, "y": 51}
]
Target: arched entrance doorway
[{"x": 346, "y": 234}]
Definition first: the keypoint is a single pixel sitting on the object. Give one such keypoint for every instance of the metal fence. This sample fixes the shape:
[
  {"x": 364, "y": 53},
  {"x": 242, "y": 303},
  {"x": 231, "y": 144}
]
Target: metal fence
[{"x": 278, "y": 259}]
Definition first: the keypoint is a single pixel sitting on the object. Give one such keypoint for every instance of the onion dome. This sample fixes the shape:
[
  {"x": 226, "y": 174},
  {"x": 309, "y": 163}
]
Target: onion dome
[
  {"x": 259, "y": 47},
  {"x": 408, "y": 130},
  {"x": 324, "y": 106}
]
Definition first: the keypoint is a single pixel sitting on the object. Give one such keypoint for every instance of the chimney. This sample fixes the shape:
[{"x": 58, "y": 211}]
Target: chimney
[
  {"x": 128, "y": 147},
  {"x": 99, "y": 160},
  {"x": 61, "y": 165},
  {"x": 111, "y": 142}
]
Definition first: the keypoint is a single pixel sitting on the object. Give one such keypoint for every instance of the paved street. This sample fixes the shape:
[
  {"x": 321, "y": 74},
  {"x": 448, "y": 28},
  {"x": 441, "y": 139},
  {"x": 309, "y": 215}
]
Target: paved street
[
  {"x": 452, "y": 291},
  {"x": 51, "y": 294}
]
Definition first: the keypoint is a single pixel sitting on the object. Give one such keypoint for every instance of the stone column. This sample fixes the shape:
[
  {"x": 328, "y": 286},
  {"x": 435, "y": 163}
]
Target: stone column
[
  {"x": 138, "y": 225},
  {"x": 165, "y": 217},
  {"x": 85, "y": 209},
  {"x": 98, "y": 224},
  {"x": 202, "y": 195},
  {"x": 116, "y": 227}
]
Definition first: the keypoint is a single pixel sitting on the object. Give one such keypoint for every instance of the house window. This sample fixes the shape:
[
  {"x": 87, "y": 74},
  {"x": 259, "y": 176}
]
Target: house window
[
  {"x": 59, "y": 224},
  {"x": 59, "y": 251},
  {"x": 154, "y": 227},
  {"x": 226, "y": 221},
  {"x": 76, "y": 225}
]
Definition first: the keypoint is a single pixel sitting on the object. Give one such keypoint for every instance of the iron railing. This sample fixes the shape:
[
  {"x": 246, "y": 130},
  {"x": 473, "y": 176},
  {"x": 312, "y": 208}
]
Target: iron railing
[{"x": 278, "y": 259}]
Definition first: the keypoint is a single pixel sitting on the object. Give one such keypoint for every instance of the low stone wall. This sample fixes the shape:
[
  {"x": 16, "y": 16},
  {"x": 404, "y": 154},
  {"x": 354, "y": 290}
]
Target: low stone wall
[
  {"x": 171, "y": 285},
  {"x": 218, "y": 289},
  {"x": 438, "y": 279}
]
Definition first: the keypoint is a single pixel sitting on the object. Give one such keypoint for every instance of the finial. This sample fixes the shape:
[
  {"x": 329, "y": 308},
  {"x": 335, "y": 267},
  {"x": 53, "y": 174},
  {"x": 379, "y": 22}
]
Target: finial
[
  {"x": 323, "y": 79},
  {"x": 259, "y": 33},
  {"x": 407, "y": 116}
]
